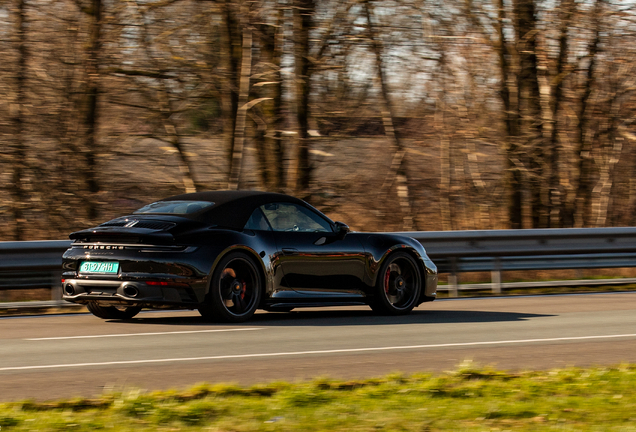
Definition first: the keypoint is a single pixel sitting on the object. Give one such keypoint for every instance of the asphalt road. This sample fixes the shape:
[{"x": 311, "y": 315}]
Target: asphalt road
[{"x": 49, "y": 357}]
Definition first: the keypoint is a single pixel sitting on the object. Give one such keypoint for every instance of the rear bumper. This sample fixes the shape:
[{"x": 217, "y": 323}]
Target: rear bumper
[
  {"x": 130, "y": 293},
  {"x": 148, "y": 276}
]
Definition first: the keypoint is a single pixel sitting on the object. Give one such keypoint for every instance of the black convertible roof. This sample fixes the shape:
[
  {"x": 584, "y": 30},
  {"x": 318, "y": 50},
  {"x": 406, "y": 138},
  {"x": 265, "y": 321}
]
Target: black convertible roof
[{"x": 232, "y": 209}]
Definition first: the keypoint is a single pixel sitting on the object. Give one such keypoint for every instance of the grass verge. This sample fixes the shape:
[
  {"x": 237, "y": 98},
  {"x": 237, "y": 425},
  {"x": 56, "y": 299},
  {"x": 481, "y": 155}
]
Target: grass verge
[{"x": 468, "y": 399}]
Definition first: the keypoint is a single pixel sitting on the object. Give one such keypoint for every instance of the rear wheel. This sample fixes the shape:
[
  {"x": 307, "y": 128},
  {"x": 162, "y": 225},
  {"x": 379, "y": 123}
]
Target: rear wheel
[
  {"x": 398, "y": 287},
  {"x": 113, "y": 312},
  {"x": 235, "y": 290}
]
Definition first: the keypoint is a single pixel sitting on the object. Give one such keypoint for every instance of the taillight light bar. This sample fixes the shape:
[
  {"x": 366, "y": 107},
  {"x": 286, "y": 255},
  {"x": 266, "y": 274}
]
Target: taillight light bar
[{"x": 170, "y": 284}]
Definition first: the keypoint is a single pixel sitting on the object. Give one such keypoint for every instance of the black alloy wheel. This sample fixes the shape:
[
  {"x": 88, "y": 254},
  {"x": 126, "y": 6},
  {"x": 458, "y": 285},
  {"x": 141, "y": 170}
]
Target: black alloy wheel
[
  {"x": 113, "y": 312},
  {"x": 398, "y": 286},
  {"x": 235, "y": 290}
]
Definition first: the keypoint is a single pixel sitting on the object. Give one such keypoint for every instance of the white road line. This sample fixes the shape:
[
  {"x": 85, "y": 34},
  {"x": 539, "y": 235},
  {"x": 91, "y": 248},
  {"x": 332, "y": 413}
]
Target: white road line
[
  {"x": 299, "y": 353},
  {"x": 143, "y": 334}
]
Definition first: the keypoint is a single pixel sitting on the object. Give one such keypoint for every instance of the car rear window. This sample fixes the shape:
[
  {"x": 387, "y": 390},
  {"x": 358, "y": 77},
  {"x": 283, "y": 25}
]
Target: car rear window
[{"x": 174, "y": 207}]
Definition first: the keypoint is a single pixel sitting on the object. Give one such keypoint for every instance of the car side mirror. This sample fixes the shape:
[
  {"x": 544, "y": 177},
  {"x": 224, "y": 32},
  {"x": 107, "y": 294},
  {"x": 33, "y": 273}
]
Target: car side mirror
[{"x": 342, "y": 229}]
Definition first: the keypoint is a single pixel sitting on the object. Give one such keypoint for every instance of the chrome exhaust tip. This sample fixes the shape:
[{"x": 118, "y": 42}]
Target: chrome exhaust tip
[{"x": 131, "y": 291}]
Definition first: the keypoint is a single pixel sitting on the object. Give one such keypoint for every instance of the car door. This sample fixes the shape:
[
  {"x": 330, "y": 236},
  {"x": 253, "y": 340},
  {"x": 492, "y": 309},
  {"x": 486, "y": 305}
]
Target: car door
[{"x": 314, "y": 258}]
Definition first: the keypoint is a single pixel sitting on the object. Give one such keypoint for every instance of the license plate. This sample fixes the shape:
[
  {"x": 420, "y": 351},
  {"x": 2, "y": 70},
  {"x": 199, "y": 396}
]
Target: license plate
[{"x": 99, "y": 267}]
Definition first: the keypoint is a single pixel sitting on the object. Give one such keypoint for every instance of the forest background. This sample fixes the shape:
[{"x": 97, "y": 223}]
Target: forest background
[{"x": 388, "y": 115}]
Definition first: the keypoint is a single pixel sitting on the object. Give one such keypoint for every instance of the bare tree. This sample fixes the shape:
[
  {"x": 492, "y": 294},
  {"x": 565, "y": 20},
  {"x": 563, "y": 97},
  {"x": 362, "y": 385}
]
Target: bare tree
[
  {"x": 19, "y": 150},
  {"x": 155, "y": 79},
  {"x": 398, "y": 170},
  {"x": 93, "y": 10},
  {"x": 269, "y": 116},
  {"x": 241, "y": 115},
  {"x": 519, "y": 112},
  {"x": 578, "y": 208},
  {"x": 304, "y": 11},
  {"x": 568, "y": 8}
]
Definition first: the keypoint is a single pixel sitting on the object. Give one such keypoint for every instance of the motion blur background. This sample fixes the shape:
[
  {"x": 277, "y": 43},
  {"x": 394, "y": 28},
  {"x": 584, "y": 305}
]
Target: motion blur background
[{"x": 388, "y": 115}]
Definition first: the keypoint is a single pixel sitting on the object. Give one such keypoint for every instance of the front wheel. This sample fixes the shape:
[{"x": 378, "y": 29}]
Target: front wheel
[
  {"x": 113, "y": 312},
  {"x": 235, "y": 290},
  {"x": 398, "y": 286}
]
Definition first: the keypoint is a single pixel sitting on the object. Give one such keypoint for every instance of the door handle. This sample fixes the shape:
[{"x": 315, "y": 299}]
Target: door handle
[{"x": 290, "y": 251}]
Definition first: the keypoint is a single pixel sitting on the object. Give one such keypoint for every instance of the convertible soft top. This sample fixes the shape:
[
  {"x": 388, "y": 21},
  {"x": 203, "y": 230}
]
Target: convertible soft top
[{"x": 232, "y": 209}]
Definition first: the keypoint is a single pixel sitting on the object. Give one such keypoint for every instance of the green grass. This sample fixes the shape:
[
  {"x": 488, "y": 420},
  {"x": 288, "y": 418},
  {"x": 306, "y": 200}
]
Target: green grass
[{"x": 469, "y": 399}]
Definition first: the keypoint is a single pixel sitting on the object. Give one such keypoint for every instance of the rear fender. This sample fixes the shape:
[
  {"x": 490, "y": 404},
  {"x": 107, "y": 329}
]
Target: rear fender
[{"x": 265, "y": 274}]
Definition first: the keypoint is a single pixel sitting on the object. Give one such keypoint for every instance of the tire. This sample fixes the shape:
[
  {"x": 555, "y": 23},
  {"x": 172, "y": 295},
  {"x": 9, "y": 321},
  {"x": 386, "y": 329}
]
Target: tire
[
  {"x": 112, "y": 312},
  {"x": 398, "y": 286},
  {"x": 235, "y": 290}
]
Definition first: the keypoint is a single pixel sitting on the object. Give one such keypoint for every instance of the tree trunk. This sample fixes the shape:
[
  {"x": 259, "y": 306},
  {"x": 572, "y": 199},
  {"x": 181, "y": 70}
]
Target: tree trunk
[
  {"x": 187, "y": 177},
  {"x": 556, "y": 192},
  {"x": 445, "y": 175},
  {"x": 304, "y": 18},
  {"x": 602, "y": 191},
  {"x": 91, "y": 115},
  {"x": 229, "y": 71},
  {"x": 578, "y": 212},
  {"x": 18, "y": 153},
  {"x": 268, "y": 136},
  {"x": 241, "y": 115},
  {"x": 607, "y": 160},
  {"x": 398, "y": 170},
  {"x": 510, "y": 102},
  {"x": 530, "y": 107}
]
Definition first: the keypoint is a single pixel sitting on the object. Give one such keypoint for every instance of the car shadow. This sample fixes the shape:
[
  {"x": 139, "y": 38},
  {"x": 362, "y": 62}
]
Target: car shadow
[{"x": 335, "y": 318}]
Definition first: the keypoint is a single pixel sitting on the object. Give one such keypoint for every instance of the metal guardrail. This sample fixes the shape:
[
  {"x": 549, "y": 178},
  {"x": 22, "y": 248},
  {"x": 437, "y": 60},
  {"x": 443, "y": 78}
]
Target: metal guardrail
[
  {"x": 444, "y": 245},
  {"x": 537, "y": 249},
  {"x": 32, "y": 264},
  {"x": 38, "y": 263}
]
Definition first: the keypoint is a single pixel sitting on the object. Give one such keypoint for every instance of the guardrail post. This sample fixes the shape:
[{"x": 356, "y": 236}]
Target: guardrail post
[
  {"x": 452, "y": 279},
  {"x": 56, "y": 288},
  {"x": 495, "y": 277}
]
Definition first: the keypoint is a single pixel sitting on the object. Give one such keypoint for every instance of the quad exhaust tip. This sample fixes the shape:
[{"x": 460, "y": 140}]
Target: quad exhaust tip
[{"x": 69, "y": 289}]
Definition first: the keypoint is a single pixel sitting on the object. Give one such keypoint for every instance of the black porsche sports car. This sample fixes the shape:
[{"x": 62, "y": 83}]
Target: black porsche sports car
[{"x": 228, "y": 253}]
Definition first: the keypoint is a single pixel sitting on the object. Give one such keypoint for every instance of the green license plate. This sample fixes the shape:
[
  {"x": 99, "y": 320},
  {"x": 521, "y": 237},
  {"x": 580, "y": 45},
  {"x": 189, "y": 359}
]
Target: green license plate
[{"x": 99, "y": 267}]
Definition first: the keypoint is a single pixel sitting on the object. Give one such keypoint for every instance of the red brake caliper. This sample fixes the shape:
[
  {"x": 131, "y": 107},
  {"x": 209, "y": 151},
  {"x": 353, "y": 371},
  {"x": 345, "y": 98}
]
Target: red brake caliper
[
  {"x": 243, "y": 289},
  {"x": 386, "y": 280}
]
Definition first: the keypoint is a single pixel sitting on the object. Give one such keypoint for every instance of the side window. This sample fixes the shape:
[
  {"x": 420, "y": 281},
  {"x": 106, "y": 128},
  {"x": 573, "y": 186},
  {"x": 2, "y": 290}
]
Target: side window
[
  {"x": 257, "y": 222},
  {"x": 292, "y": 217}
]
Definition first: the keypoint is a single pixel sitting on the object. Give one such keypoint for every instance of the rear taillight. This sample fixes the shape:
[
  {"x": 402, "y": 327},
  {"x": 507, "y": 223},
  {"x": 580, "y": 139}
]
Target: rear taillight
[{"x": 170, "y": 284}]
